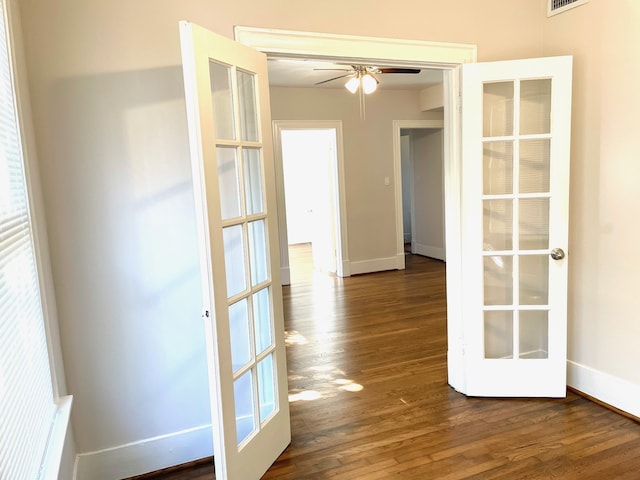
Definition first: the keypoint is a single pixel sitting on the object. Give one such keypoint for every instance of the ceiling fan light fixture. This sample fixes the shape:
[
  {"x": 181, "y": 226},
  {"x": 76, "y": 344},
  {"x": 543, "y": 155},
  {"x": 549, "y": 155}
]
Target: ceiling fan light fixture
[
  {"x": 369, "y": 83},
  {"x": 352, "y": 84}
]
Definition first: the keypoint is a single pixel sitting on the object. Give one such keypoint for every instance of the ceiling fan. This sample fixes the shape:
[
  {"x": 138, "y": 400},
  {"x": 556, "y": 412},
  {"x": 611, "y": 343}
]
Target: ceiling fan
[
  {"x": 363, "y": 76},
  {"x": 363, "y": 79}
]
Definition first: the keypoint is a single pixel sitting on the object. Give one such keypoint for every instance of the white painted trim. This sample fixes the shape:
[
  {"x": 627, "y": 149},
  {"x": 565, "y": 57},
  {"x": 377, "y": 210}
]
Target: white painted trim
[
  {"x": 283, "y": 43},
  {"x": 342, "y": 256},
  {"x": 346, "y": 268},
  {"x": 399, "y": 125},
  {"x": 146, "y": 455},
  {"x": 453, "y": 240},
  {"x": 375, "y": 265},
  {"x": 428, "y": 251},
  {"x": 617, "y": 392},
  {"x": 53, "y": 455}
]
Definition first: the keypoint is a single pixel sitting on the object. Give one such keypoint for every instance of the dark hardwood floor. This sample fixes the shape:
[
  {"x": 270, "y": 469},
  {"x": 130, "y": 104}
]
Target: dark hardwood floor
[{"x": 369, "y": 395}]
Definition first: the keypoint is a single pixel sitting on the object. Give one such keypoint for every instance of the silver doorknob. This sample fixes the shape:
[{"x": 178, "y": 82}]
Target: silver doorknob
[{"x": 557, "y": 254}]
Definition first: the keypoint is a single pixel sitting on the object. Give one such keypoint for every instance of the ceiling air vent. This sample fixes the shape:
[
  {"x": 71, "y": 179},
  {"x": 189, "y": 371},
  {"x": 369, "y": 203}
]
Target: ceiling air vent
[{"x": 555, "y": 7}]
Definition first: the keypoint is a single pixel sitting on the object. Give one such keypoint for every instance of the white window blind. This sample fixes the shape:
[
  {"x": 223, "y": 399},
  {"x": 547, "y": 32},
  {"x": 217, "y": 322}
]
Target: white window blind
[{"x": 27, "y": 406}]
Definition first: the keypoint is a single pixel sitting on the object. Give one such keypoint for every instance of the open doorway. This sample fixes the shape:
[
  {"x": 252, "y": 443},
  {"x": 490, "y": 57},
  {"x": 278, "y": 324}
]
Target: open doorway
[
  {"x": 310, "y": 195},
  {"x": 446, "y": 57},
  {"x": 309, "y": 187},
  {"x": 421, "y": 159}
]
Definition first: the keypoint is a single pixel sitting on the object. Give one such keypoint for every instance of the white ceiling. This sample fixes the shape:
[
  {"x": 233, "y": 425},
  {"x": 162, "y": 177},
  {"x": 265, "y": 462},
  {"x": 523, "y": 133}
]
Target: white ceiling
[{"x": 304, "y": 73}]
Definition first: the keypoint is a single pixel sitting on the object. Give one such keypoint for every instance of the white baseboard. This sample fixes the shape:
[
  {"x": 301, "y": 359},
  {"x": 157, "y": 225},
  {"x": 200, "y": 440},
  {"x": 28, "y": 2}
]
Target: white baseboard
[
  {"x": 374, "y": 265},
  {"x": 429, "y": 251},
  {"x": 346, "y": 268},
  {"x": 607, "y": 388},
  {"x": 145, "y": 456}
]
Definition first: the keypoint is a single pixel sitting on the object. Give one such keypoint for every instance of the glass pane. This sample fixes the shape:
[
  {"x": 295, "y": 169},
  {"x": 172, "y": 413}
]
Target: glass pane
[
  {"x": 535, "y": 106},
  {"x": 534, "y": 166},
  {"x": 498, "y": 225},
  {"x": 222, "y": 99},
  {"x": 498, "y": 280},
  {"x": 234, "y": 259},
  {"x": 534, "y": 223},
  {"x": 262, "y": 320},
  {"x": 534, "y": 279},
  {"x": 497, "y": 175},
  {"x": 258, "y": 250},
  {"x": 229, "y": 182},
  {"x": 266, "y": 387},
  {"x": 498, "y": 334},
  {"x": 248, "y": 111},
  {"x": 240, "y": 336},
  {"x": 253, "y": 180},
  {"x": 243, "y": 400},
  {"x": 534, "y": 334},
  {"x": 498, "y": 109}
]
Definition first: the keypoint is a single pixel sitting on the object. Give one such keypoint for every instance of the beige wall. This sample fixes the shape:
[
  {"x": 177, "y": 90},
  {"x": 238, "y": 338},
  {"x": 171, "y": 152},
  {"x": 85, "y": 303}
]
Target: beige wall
[
  {"x": 368, "y": 156},
  {"x": 109, "y": 114},
  {"x": 604, "y": 303}
]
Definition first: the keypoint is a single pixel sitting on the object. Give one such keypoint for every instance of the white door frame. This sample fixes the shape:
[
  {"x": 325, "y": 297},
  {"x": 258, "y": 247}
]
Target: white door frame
[
  {"x": 342, "y": 260},
  {"x": 444, "y": 56},
  {"x": 399, "y": 125}
]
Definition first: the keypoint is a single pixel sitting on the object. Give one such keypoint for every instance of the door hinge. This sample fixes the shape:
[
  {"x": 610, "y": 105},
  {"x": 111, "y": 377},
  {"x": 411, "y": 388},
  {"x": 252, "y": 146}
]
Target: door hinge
[{"x": 206, "y": 314}]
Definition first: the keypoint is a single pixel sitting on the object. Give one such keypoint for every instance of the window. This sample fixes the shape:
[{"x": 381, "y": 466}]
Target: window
[{"x": 28, "y": 412}]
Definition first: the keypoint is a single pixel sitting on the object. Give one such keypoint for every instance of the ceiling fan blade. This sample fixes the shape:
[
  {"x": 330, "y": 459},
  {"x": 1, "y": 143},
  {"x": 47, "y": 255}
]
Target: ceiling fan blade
[
  {"x": 399, "y": 70},
  {"x": 332, "y": 79},
  {"x": 334, "y": 69}
]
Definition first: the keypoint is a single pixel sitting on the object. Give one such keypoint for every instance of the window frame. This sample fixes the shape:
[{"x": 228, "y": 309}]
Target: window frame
[{"x": 52, "y": 459}]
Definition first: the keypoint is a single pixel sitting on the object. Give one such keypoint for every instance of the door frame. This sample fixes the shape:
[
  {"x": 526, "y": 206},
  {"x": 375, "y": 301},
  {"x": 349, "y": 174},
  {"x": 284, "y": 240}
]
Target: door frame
[
  {"x": 395, "y": 52},
  {"x": 342, "y": 260},
  {"x": 398, "y": 126}
]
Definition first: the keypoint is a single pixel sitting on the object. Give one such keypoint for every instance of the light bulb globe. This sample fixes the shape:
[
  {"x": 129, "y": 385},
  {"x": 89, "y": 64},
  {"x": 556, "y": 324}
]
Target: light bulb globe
[
  {"x": 369, "y": 84},
  {"x": 352, "y": 84}
]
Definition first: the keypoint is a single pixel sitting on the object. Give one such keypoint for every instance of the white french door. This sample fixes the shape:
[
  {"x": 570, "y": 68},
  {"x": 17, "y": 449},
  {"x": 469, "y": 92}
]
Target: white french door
[
  {"x": 515, "y": 186},
  {"x": 227, "y": 97}
]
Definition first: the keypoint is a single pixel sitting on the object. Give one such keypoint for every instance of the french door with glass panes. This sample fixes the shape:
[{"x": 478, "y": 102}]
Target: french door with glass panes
[
  {"x": 232, "y": 158},
  {"x": 515, "y": 185}
]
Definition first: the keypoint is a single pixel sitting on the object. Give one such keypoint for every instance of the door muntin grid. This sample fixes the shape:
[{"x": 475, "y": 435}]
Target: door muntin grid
[
  {"x": 245, "y": 227},
  {"x": 515, "y": 209}
]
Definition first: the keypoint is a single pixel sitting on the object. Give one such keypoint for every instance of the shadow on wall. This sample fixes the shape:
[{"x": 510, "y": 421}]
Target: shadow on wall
[{"x": 117, "y": 183}]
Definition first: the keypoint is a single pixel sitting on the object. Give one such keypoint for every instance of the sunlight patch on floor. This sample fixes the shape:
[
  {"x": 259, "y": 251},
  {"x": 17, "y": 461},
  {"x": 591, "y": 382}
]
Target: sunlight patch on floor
[
  {"x": 305, "y": 395},
  {"x": 294, "y": 338},
  {"x": 323, "y": 381}
]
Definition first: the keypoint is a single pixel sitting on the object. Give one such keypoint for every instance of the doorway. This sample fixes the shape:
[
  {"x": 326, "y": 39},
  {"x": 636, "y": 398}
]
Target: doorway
[
  {"x": 419, "y": 163},
  {"x": 310, "y": 193},
  {"x": 393, "y": 52}
]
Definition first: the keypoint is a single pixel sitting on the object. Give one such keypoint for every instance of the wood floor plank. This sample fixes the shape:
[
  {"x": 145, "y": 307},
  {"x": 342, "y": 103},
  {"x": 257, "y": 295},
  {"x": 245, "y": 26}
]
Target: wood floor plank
[{"x": 369, "y": 396}]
